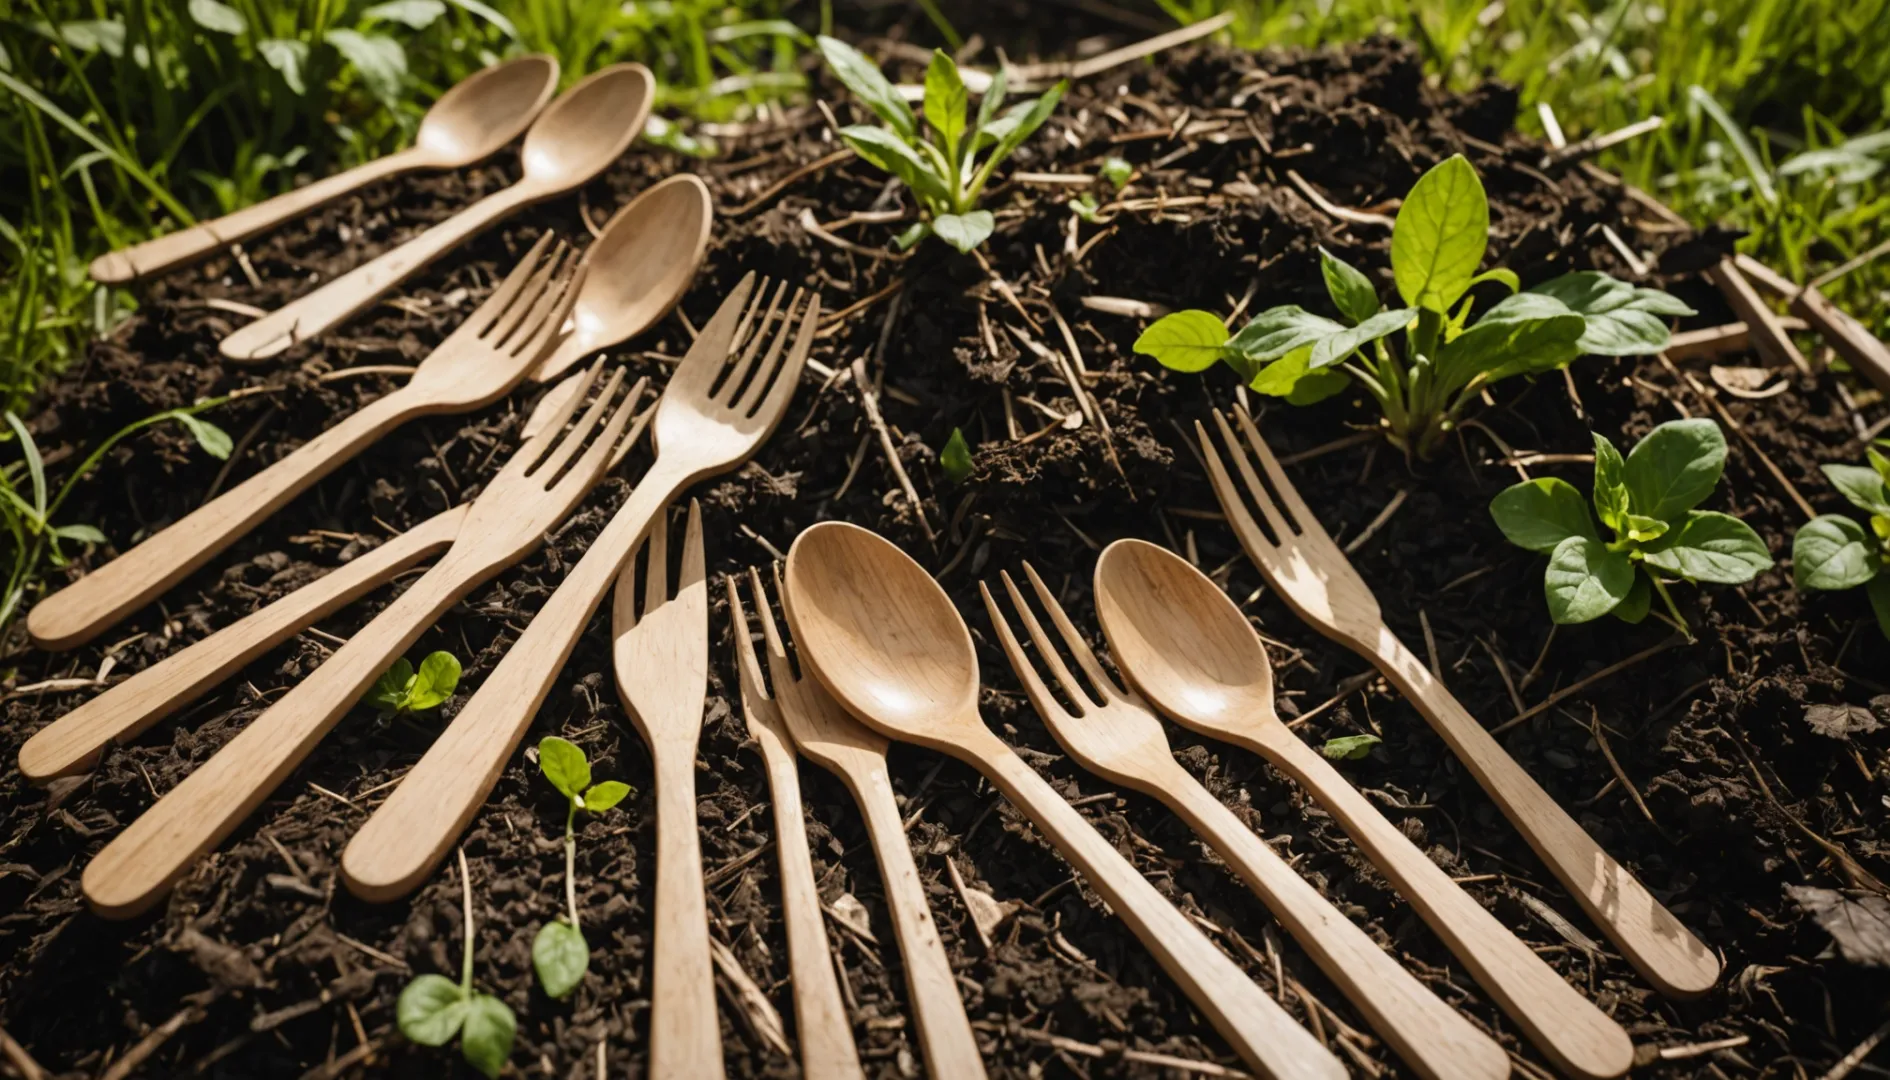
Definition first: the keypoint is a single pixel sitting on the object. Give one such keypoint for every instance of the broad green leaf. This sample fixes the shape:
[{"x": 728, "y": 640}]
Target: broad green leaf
[
  {"x": 1115, "y": 171},
  {"x": 1028, "y": 118},
  {"x": 1541, "y": 513},
  {"x": 601, "y": 797},
  {"x": 886, "y": 151},
  {"x": 1642, "y": 529},
  {"x": 1185, "y": 340},
  {"x": 1878, "y": 590},
  {"x": 1675, "y": 467},
  {"x": 86, "y": 35},
  {"x": 964, "y": 231},
  {"x": 1282, "y": 376},
  {"x": 945, "y": 104},
  {"x": 1317, "y": 386},
  {"x": 486, "y": 12},
  {"x": 379, "y": 59},
  {"x": 987, "y": 108},
  {"x": 1611, "y": 493},
  {"x": 955, "y": 459},
  {"x": 1862, "y": 485},
  {"x": 999, "y": 129},
  {"x": 215, "y": 441},
  {"x": 560, "y": 955},
  {"x": 221, "y": 17},
  {"x": 390, "y": 690},
  {"x": 1639, "y": 599},
  {"x": 1501, "y": 275},
  {"x": 1351, "y": 290},
  {"x": 1277, "y": 331},
  {"x": 863, "y": 78},
  {"x": 1710, "y": 546},
  {"x": 434, "y": 683},
  {"x": 1622, "y": 320},
  {"x": 1878, "y": 462},
  {"x": 1522, "y": 335},
  {"x": 431, "y": 1010},
  {"x": 1585, "y": 580},
  {"x": 564, "y": 765},
  {"x": 1439, "y": 237},
  {"x": 912, "y": 234},
  {"x": 1350, "y": 747},
  {"x": 1833, "y": 552},
  {"x": 1335, "y": 348},
  {"x": 486, "y": 1039},
  {"x": 288, "y": 58},
  {"x": 418, "y": 14}
]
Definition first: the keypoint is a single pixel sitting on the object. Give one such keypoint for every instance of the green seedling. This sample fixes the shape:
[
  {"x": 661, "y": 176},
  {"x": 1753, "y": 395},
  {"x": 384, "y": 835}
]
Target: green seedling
[
  {"x": 1437, "y": 244},
  {"x": 1647, "y": 501},
  {"x": 433, "y": 1009},
  {"x": 1116, "y": 171},
  {"x": 1833, "y": 552},
  {"x": 940, "y": 167},
  {"x": 560, "y": 954},
  {"x": 401, "y": 689},
  {"x": 1350, "y": 747},
  {"x": 955, "y": 459}
]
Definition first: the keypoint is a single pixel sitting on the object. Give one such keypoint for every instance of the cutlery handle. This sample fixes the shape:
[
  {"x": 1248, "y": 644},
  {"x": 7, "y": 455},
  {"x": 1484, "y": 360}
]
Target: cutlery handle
[
  {"x": 89, "y": 606},
  {"x": 142, "y": 863},
  {"x": 1666, "y": 952},
  {"x": 820, "y": 1015},
  {"x": 685, "y": 1034},
  {"x": 1433, "y": 1038},
  {"x": 1577, "y": 1036},
  {"x": 74, "y": 742},
  {"x": 188, "y": 245},
  {"x": 413, "y": 830},
  {"x": 308, "y": 316},
  {"x": 944, "y": 1029},
  {"x": 1259, "y": 1030}
]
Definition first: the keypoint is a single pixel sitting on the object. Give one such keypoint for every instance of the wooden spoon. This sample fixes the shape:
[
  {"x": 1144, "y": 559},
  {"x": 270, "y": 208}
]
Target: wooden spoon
[
  {"x": 576, "y": 138},
  {"x": 470, "y": 122},
  {"x": 886, "y": 641},
  {"x": 1188, "y": 649}
]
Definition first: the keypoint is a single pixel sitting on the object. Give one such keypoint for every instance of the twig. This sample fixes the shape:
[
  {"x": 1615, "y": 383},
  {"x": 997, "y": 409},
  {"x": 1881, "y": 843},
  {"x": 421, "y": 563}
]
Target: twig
[
  {"x": 1767, "y": 334},
  {"x": 1713, "y": 341},
  {"x": 869, "y": 400},
  {"x": 1595, "y": 728},
  {"x": 365, "y": 369},
  {"x": 1595, "y": 144},
  {"x": 830, "y": 323},
  {"x": 782, "y": 184},
  {"x": 1849, "y": 337},
  {"x": 1575, "y": 688},
  {"x": 1356, "y": 217},
  {"x": 1343, "y": 442},
  {"x": 814, "y": 229},
  {"x": 1849, "y": 1062},
  {"x": 1849, "y": 265},
  {"x": 17, "y": 1057},
  {"x": 1738, "y": 429},
  {"x": 152, "y": 1041},
  {"x": 1378, "y": 522}
]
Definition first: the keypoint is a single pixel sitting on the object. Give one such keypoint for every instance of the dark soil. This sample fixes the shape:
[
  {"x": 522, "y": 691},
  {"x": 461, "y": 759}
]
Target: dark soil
[{"x": 257, "y": 966}]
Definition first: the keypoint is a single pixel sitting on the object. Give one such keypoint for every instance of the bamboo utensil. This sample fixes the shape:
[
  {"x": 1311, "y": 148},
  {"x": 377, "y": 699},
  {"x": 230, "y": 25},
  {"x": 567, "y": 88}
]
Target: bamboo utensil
[
  {"x": 495, "y": 348},
  {"x": 1315, "y": 577},
  {"x": 820, "y": 1016},
  {"x": 574, "y": 139},
  {"x": 471, "y": 121},
  {"x": 821, "y": 729},
  {"x": 530, "y": 495},
  {"x": 1112, "y": 732},
  {"x": 719, "y": 407},
  {"x": 885, "y": 641},
  {"x": 661, "y": 659}
]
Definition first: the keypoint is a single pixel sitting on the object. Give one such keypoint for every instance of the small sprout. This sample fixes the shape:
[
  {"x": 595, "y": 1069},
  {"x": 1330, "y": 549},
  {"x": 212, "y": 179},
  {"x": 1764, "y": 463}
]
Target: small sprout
[
  {"x": 432, "y": 1009},
  {"x": 1084, "y": 206},
  {"x": 955, "y": 459},
  {"x": 1833, "y": 552},
  {"x": 1350, "y": 747},
  {"x": 1116, "y": 171},
  {"x": 940, "y": 167},
  {"x": 401, "y": 689},
  {"x": 1437, "y": 243},
  {"x": 560, "y": 954},
  {"x": 1647, "y": 500}
]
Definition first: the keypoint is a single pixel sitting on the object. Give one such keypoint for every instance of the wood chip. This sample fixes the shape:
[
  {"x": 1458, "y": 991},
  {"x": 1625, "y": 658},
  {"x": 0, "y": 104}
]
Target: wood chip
[
  {"x": 987, "y": 913},
  {"x": 749, "y": 1001}
]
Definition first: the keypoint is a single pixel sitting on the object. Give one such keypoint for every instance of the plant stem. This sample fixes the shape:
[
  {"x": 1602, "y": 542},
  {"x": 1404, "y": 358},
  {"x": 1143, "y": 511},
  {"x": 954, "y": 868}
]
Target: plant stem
[
  {"x": 1672, "y": 609},
  {"x": 465, "y": 970},
  {"x": 570, "y": 862}
]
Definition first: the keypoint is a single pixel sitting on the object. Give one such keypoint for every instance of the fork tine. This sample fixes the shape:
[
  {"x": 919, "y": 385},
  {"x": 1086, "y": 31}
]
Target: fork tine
[
  {"x": 528, "y": 296},
  {"x": 709, "y": 355},
  {"x": 745, "y": 660},
  {"x": 550, "y": 328},
  {"x": 598, "y": 458},
  {"x": 1085, "y": 656},
  {"x": 757, "y": 332},
  {"x": 574, "y": 387},
  {"x": 778, "y": 665},
  {"x": 767, "y": 367},
  {"x": 629, "y": 442},
  {"x": 787, "y": 377},
  {"x": 568, "y": 446},
  {"x": 692, "y": 570},
  {"x": 656, "y": 575},
  {"x": 1303, "y": 516},
  {"x": 1281, "y": 530},
  {"x": 1232, "y": 504},
  {"x": 623, "y": 599},
  {"x": 1046, "y": 649},
  {"x": 1041, "y": 699},
  {"x": 495, "y": 305}
]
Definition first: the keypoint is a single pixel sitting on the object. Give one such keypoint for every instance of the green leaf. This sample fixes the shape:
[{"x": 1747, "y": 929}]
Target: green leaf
[
  {"x": 955, "y": 459},
  {"x": 1642, "y": 529},
  {"x": 435, "y": 682},
  {"x": 601, "y": 797},
  {"x": 431, "y": 1010},
  {"x": 1291, "y": 378},
  {"x": 1585, "y": 580},
  {"x": 1439, "y": 237},
  {"x": 1334, "y": 349},
  {"x": 1277, "y": 331},
  {"x": 945, "y": 104},
  {"x": 987, "y": 108},
  {"x": 1083, "y": 206},
  {"x": 213, "y": 15},
  {"x": 84, "y": 534},
  {"x": 418, "y": 14},
  {"x": 1611, "y": 493},
  {"x": 1034, "y": 114},
  {"x": 486, "y": 1040},
  {"x": 1185, "y": 340},
  {"x": 1498, "y": 274},
  {"x": 1833, "y": 552},
  {"x": 390, "y": 690},
  {"x": 560, "y": 955},
  {"x": 1675, "y": 467},
  {"x": 485, "y": 11},
  {"x": 1878, "y": 462},
  {"x": 1878, "y": 590},
  {"x": 86, "y": 35},
  {"x": 1522, "y": 335},
  {"x": 379, "y": 59},
  {"x": 863, "y": 78},
  {"x": 564, "y": 765},
  {"x": 885, "y": 151},
  {"x": 1862, "y": 485},
  {"x": 964, "y": 231},
  {"x": 1622, "y": 320},
  {"x": 1350, "y": 747},
  {"x": 1639, "y": 600},
  {"x": 1710, "y": 546},
  {"x": 288, "y": 58},
  {"x": 1115, "y": 171},
  {"x": 912, "y": 234},
  {"x": 1541, "y": 513},
  {"x": 1351, "y": 290},
  {"x": 36, "y": 465},
  {"x": 215, "y": 441}
]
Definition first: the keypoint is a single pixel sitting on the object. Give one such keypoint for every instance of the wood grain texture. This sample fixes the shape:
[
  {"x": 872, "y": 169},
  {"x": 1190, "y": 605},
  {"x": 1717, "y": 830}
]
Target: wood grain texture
[
  {"x": 1771, "y": 339},
  {"x": 1852, "y": 340}
]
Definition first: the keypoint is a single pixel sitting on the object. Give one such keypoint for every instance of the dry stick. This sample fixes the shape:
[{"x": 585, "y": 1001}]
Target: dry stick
[
  {"x": 813, "y": 228},
  {"x": 1714, "y": 341},
  {"x": 869, "y": 400},
  {"x": 1767, "y": 334},
  {"x": 1378, "y": 522},
  {"x": 1849, "y": 337},
  {"x": 782, "y": 184},
  {"x": 1849, "y": 1062},
  {"x": 1595, "y": 144},
  {"x": 1601, "y": 738},
  {"x": 1860, "y": 878},
  {"x": 831, "y": 323},
  {"x": 17, "y": 1057},
  {"x": 1848, "y": 265},
  {"x": 1355, "y": 217},
  {"x": 1575, "y": 688},
  {"x": 1726, "y": 418},
  {"x": 150, "y": 1044},
  {"x": 1343, "y": 442}
]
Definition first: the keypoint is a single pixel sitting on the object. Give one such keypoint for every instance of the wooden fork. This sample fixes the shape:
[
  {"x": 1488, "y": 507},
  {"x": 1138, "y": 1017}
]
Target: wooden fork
[
  {"x": 491, "y": 352},
  {"x": 530, "y": 495},
  {"x": 1318, "y": 581},
  {"x": 1112, "y": 732},
  {"x": 822, "y": 730},
  {"x": 721, "y": 404}
]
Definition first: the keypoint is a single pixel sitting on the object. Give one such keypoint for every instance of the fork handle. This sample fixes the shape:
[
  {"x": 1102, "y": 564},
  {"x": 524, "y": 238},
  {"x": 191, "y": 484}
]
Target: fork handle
[
  {"x": 142, "y": 863},
  {"x": 1577, "y": 1036},
  {"x": 89, "y": 606},
  {"x": 74, "y": 742},
  {"x": 685, "y": 1034},
  {"x": 1433, "y": 1038},
  {"x": 1666, "y": 952},
  {"x": 1255, "y": 1025}
]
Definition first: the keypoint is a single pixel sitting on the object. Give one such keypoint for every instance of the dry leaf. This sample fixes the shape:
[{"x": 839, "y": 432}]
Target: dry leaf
[
  {"x": 1748, "y": 382},
  {"x": 1841, "y": 721},
  {"x": 987, "y": 914},
  {"x": 850, "y": 913},
  {"x": 1859, "y": 925}
]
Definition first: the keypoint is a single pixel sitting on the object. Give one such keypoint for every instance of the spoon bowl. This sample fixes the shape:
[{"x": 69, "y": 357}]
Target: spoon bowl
[
  {"x": 481, "y": 113},
  {"x": 588, "y": 127}
]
